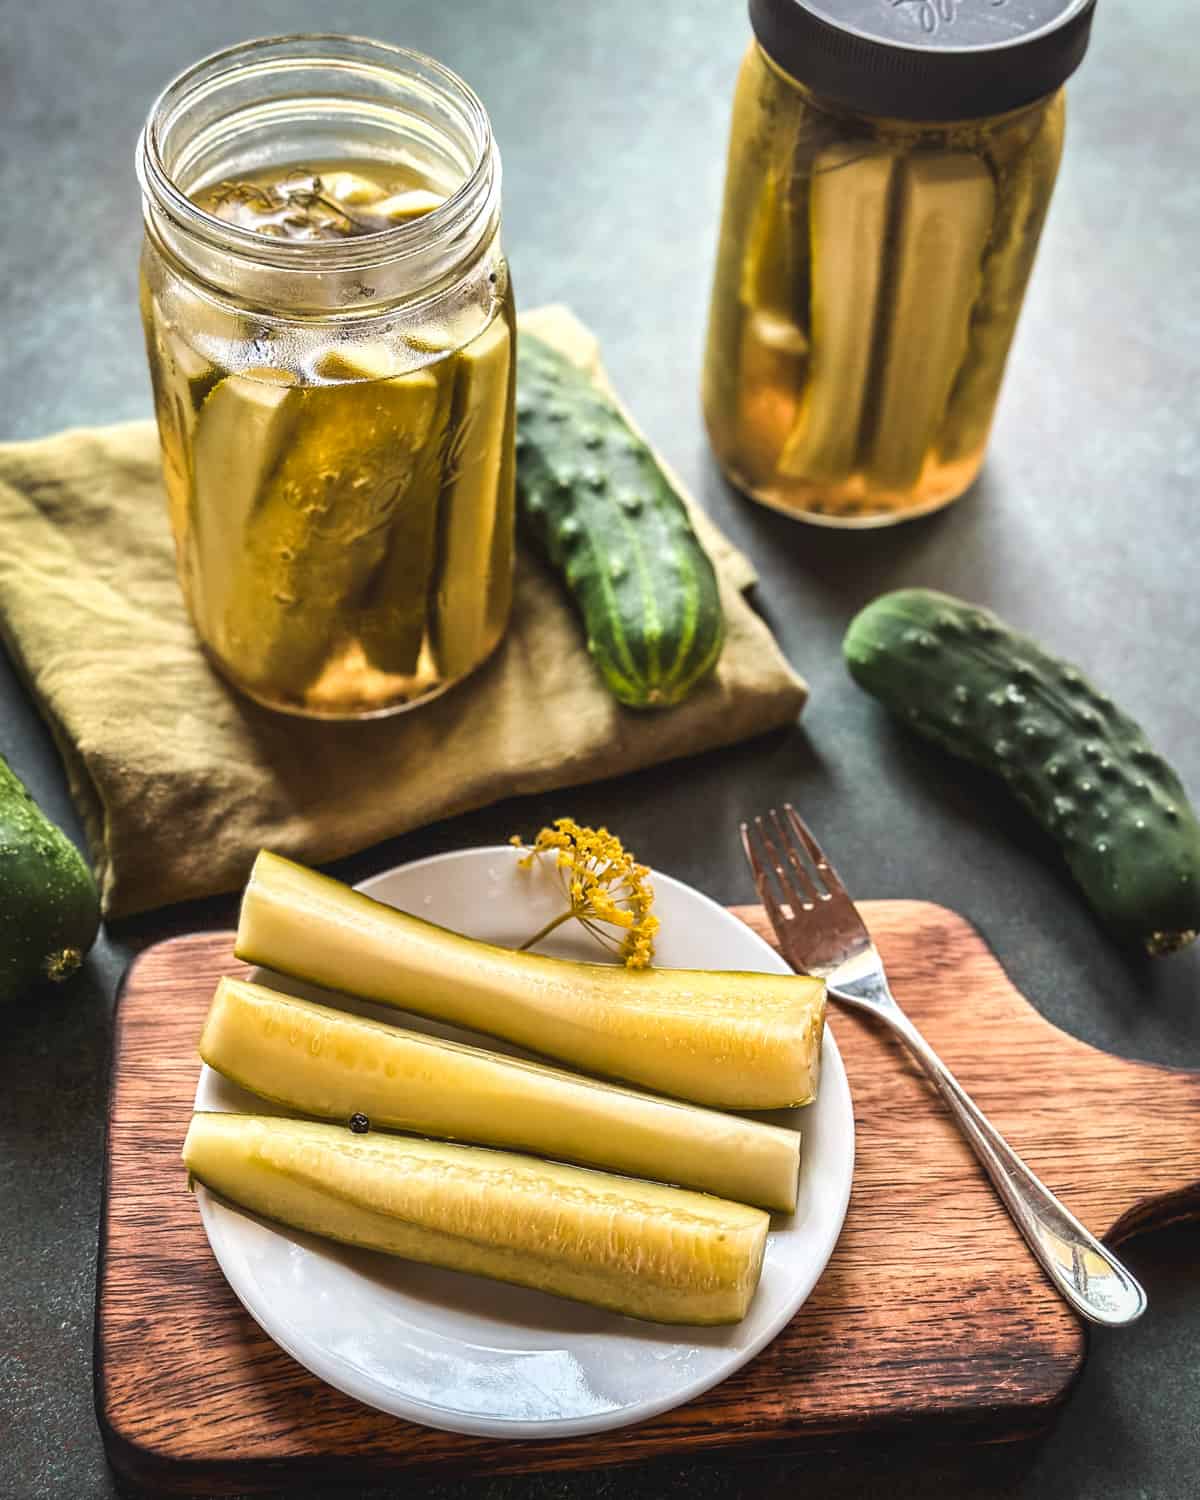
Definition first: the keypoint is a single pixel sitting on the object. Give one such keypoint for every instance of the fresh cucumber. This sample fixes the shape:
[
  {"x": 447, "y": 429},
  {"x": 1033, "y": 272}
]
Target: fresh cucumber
[
  {"x": 733, "y": 1041},
  {"x": 637, "y": 1248},
  {"x": 603, "y": 513},
  {"x": 1084, "y": 769},
  {"x": 324, "y": 1062},
  {"x": 49, "y": 909}
]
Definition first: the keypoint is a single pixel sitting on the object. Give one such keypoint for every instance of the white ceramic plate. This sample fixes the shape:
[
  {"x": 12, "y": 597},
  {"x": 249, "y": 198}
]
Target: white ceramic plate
[{"x": 470, "y": 1355}]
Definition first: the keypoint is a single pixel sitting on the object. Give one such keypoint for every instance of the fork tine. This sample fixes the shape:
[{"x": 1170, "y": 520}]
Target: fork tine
[
  {"x": 797, "y": 899},
  {"x": 805, "y": 880},
  {"x": 824, "y": 869},
  {"x": 751, "y": 853},
  {"x": 773, "y": 855},
  {"x": 761, "y": 880},
  {"x": 769, "y": 861}
]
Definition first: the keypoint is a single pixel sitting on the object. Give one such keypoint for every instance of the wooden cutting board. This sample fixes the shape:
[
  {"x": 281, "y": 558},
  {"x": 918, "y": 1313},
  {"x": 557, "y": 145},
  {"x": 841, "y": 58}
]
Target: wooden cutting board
[{"x": 931, "y": 1313}]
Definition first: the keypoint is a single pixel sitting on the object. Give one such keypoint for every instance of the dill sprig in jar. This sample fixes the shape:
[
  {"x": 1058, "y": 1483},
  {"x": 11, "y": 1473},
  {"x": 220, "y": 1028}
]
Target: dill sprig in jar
[
  {"x": 890, "y": 167},
  {"x": 330, "y": 331}
]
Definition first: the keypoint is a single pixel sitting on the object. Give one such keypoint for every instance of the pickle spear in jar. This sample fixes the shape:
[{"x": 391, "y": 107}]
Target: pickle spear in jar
[
  {"x": 774, "y": 347},
  {"x": 394, "y": 615},
  {"x": 319, "y": 525},
  {"x": 468, "y": 614},
  {"x": 850, "y": 200},
  {"x": 945, "y": 202},
  {"x": 1023, "y": 174},
  {"x": 245, "y": 423}
]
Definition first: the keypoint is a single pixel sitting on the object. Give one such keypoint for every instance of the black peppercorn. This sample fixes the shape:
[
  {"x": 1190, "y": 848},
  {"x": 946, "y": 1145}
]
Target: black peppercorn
[{"x": 359, "y": 1124}]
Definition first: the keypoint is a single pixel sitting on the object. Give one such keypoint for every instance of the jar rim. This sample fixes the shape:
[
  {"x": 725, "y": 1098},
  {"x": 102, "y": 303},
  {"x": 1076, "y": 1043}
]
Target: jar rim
[{"x": 397, "y": 242}]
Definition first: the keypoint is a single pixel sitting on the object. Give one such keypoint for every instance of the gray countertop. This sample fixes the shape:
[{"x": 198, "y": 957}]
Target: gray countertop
[{"x": 612, "y": 120}]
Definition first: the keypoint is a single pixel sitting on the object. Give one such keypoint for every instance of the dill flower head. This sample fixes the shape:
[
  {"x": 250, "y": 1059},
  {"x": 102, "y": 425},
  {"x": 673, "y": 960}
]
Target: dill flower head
[{"x": 607, "y": 891}]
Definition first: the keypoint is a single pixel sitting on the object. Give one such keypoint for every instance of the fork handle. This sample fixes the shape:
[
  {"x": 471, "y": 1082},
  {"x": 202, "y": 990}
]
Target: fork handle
[{"x": 1087, "y": 1274}]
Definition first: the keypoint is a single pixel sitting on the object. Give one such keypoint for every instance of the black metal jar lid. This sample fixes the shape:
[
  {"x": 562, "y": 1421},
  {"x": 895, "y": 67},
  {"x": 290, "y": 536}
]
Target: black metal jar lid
[{"x": 926, "y": 59}]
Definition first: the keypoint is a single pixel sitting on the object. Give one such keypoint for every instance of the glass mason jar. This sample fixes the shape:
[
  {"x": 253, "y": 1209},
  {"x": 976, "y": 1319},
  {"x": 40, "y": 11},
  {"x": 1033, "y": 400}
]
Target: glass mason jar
[
  {"x": 890, "y": 168},
  {"x": 330, "y": 331}
]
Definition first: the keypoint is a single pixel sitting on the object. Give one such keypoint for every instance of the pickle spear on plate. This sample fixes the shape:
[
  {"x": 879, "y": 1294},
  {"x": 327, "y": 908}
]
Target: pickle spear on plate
[
  {"x": 727, "y": 1040},
  {"x": 635, "y": 1247}
]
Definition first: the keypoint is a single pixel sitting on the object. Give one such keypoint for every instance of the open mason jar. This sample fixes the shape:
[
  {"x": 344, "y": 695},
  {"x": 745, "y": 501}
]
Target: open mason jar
[
  {"x": 330, "y": 331},
  {"x": 890, "y": 168}
]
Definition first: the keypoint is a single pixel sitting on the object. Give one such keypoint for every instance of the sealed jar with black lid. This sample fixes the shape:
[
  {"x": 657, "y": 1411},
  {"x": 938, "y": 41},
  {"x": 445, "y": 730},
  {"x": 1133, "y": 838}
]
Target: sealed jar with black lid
[{"x": 890, "y": 167}]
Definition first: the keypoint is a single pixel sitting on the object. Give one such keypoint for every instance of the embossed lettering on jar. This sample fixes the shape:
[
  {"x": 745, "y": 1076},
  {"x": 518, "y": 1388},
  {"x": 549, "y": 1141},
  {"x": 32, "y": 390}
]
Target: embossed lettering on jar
[{"x": 330, "y": 330}]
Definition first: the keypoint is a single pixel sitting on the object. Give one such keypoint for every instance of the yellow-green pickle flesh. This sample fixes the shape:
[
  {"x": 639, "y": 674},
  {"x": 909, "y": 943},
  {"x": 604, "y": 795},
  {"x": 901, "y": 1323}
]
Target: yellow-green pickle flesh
[{"x": 635, "y": 1247}]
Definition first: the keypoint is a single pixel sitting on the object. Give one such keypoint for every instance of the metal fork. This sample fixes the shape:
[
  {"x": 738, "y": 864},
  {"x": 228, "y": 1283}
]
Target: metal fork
[{"x": 820, "y": 932}]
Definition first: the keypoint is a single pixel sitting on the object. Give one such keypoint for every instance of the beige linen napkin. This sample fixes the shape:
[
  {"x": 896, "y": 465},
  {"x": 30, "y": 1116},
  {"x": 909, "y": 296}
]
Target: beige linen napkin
[{"x": 180, "y": 781}]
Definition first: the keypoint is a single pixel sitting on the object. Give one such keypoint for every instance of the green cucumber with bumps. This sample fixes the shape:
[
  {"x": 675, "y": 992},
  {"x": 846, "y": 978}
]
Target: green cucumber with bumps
[
  {"x": 49, "y": 908},
  {"x": 605, "y": 516},
  {"x": 1085, "y": 770}
]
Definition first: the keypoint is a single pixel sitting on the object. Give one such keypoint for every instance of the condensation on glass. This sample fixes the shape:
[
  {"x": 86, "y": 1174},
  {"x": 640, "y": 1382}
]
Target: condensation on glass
[
  {"x": 869, "y": 277},
  {"x": 330, "y": 332}
]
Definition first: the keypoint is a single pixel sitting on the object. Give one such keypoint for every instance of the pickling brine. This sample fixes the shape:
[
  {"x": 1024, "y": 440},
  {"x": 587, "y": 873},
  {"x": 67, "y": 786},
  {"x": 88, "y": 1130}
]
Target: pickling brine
[{"x": 338, "y": 462}]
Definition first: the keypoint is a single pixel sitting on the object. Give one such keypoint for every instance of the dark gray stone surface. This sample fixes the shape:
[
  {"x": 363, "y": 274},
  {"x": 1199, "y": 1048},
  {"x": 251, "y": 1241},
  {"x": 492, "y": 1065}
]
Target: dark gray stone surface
[{"x": 612, "y": 119}]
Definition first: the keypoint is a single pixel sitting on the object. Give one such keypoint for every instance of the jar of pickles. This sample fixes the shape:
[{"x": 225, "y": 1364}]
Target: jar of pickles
[
  {"x": 890, "y": 168},
  {"x": 330, "y": 331}
]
